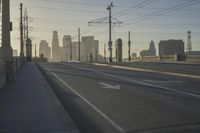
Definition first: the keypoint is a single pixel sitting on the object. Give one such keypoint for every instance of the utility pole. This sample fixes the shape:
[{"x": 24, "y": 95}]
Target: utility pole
[
  {"x": 70, "y": 51},
  {"x": 129, "y": 46},
  {"x": 21, "y": 35},
  {"x": 27, "y": 39},
  {"x": 110, "y": 31},
  {"x": 105, "y": 52},
  {"x": 189, "y": 43},
  {"x": 79, "y": 45},
  {"x": 26, "y": 24},
  {"x": 106, "y": 20},
  {"x": 6, "y": 52}
]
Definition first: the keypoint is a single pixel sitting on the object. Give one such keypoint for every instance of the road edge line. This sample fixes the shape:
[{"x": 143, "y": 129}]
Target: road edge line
[
  {"x": 147, "y": 70},
  {"x": 114, "y": 124}
]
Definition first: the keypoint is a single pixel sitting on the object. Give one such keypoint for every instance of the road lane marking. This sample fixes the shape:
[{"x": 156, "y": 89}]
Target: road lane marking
[
  {"x": 148, "y": 70},
  {"x": 109, "y": 86},
  {"x": 165, "y": 82},
  {"x": 140, "y": 82},
  {"x": 113, "y": 123}
]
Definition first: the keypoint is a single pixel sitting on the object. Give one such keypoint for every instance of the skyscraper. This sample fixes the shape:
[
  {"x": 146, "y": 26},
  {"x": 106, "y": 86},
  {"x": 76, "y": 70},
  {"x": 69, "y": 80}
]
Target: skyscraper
[
  {"x": 150, "y": 52},
  {"x": 96, "y": 49},
  {"x": 44, "y": 49},
  {"x": 152, "y": 48},
  {"x": 56, "y": 50},
  {"x": 67, "y": 47},
  {"x": 89, "y": 48}
]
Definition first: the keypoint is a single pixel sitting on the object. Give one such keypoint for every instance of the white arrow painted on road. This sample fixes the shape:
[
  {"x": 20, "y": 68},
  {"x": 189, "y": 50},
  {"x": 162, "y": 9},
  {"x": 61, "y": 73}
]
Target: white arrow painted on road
[{"x": 109, "y": 86}]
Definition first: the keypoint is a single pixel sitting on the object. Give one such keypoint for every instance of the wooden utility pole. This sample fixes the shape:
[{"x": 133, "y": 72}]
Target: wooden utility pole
[
  {"x": 21, "y": 35},
  {"x": 79, "y": 45},
  {"x": 129, "y": 46}
]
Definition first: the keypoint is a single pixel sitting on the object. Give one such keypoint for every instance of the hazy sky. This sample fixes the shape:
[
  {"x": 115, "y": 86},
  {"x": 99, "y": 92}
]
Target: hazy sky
[{"x": 146, "y": 19}]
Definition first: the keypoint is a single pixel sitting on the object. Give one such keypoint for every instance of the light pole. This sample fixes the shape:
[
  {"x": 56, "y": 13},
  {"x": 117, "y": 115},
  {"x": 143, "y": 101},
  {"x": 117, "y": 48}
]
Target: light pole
[
  {"x": 79, "y": 46},
  {"x": 21, "y": 35},
  {"x": 6, "y": 52},
  {"x": 110, "y": 31},
  {"x": 129, "y": 46}
]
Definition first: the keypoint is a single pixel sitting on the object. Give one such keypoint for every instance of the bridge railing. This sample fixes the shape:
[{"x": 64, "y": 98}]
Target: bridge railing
[
  {"x": 150, "y": 58},
  {"x": 188, "y": 58},
  {"x": 2, "y": 74},
  {"x": 193, "y": 58}
]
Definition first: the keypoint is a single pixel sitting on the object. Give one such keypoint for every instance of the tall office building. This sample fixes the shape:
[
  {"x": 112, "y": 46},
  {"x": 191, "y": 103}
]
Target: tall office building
[
  {"x": 152, "y": 48},
  {"x": 75, "y": 51},
  {"x": 67, "y": 41},
  {"x": 15, "y": 52},
  {"x": 96, "y": 49},
  {"x": 171, "y": 47},
  {"x": 56, "y": 50},
  {"x": 150, "y": 52},
  {"x": 89, "y": 48},
  {"x": 28, "y": 50},
  {"x": 44, "y": 49},
  {"x": 67, "y": 48}
]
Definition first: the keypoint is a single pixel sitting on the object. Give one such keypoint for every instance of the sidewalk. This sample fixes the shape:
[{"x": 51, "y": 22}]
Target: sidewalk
[{"x": 30, "y": 105}]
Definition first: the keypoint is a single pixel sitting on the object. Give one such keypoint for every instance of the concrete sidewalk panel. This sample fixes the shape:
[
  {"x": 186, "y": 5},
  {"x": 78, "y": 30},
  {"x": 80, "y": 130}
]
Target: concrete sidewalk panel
[{"x": 29, "y": 105}]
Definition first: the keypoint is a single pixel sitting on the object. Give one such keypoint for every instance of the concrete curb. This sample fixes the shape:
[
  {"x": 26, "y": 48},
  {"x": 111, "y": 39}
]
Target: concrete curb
[
  {"x": 147, "y": 70},
  {"x": 64, "y": 117}
]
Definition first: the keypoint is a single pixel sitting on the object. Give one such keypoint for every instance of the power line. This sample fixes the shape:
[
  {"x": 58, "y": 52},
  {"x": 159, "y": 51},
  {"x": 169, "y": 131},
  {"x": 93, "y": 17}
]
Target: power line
[
  {"x": 160, "y": 12},
  {"x": 80, "y": 3},
  {"x": 62, "y": 9},
  {"x": 138, "y": 6}
]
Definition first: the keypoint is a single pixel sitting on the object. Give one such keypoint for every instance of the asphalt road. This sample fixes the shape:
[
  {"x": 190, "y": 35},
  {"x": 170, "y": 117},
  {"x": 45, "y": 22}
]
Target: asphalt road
[{"x": 106, "y": 100}]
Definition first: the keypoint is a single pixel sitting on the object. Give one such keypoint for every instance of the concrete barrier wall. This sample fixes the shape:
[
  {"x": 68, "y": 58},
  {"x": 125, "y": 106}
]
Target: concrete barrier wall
[
  {"x": 156, "y": 58},
  {"x": 16, "y": 67},
  {"x": 168, "y": 57},
  {"x": 2, "y": 74},
  {"x": 150, "y": 58},
  {"x": 193, "y": 58},
  {"x": 187, "y": 58}
]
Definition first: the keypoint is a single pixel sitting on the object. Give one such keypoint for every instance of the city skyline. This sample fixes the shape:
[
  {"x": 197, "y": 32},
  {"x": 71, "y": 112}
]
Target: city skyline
[{"x": 66, "y": 17}]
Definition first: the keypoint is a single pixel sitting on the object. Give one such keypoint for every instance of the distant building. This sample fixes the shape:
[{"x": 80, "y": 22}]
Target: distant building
[
  {"x": 67, "y": 48},
  {"x": 118, "y": 47},
  {"x": 74, "y": 51},
  {"x": 89, "y": 48},
  {"x": 28, "y": 50},
  {"x": 134, "y": 54},
  {"x": 15, "y": 52},
  {"x": 150, "y": 52},
  {"x": 67, "y": 41},
  {"x": 44, "y": 49},
  {"x": 56, "y": 50},
  {"x": 171, "y": 47},
  {"x": 96, "y": 50}
]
